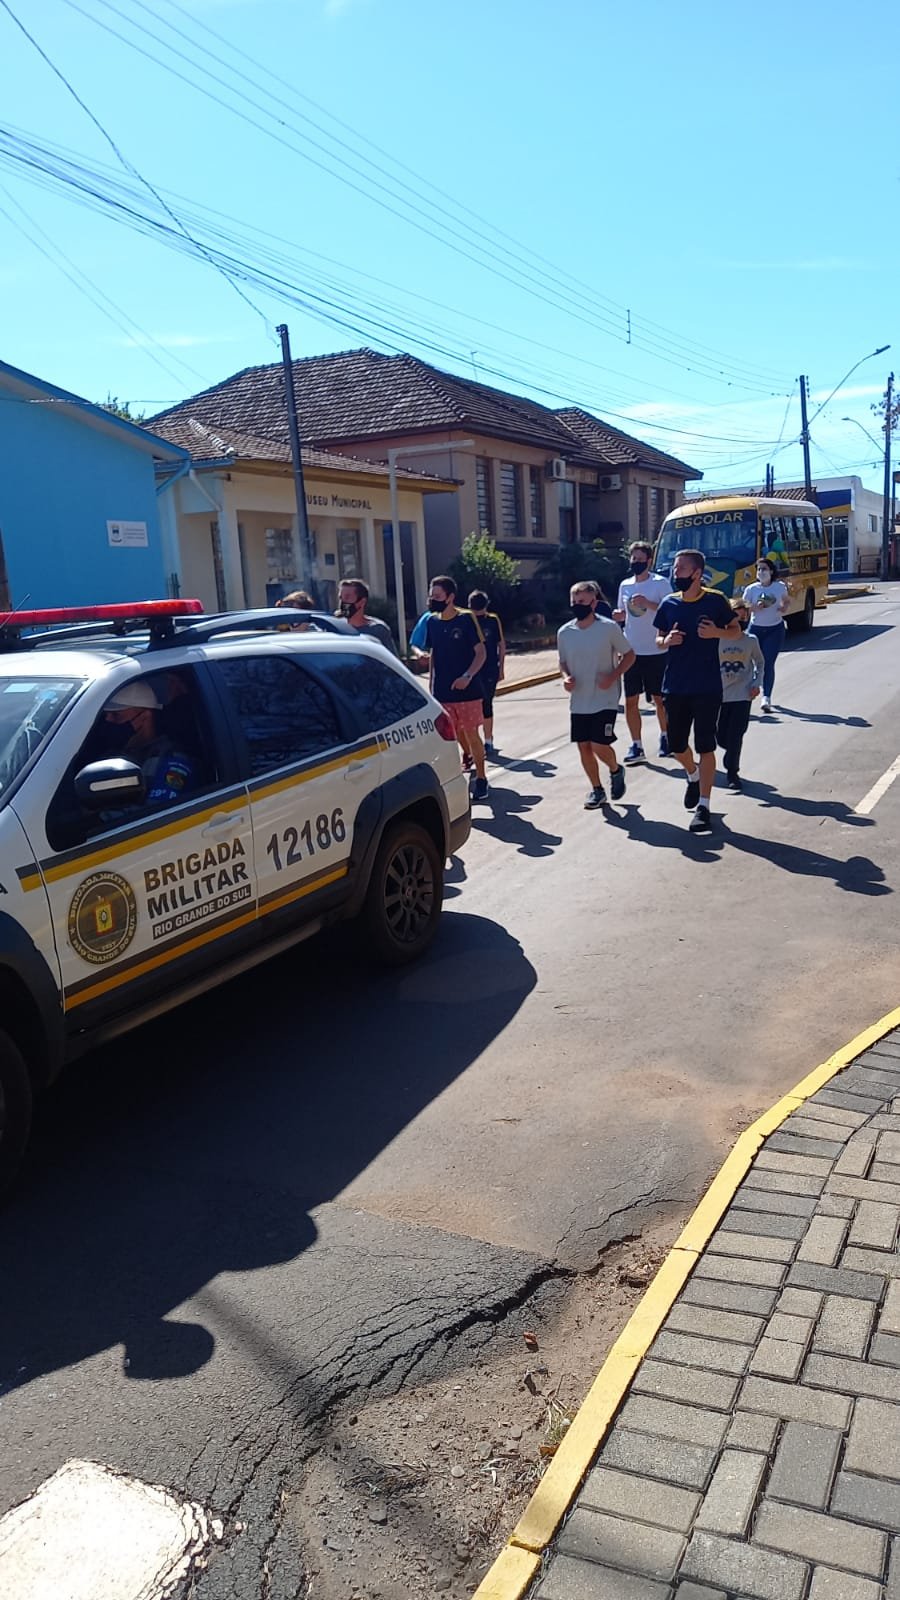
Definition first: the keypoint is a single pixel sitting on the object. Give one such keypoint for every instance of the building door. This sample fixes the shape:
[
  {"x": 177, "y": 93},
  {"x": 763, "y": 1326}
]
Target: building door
[
  {"x": 839, "y": 544},
  {"x": 407, "y": 530}
]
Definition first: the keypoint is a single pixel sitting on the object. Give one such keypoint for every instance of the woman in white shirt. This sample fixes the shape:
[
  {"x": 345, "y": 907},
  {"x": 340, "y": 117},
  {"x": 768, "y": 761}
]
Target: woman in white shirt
[{"x": 768, "y": 600}]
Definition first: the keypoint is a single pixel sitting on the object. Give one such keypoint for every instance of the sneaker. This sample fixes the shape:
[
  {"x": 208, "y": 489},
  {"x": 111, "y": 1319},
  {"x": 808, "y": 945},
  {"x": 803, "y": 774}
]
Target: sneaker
[
  {"x": 617, "y": 783},
  {"x": 700, "y": 822},
  {"x": 734, "y": 785},
  {"x": 766, "y": 705},
  {"x": 691, "y": 793},
  {"x": 490, "y": 750},
  {"x": 664, "y": 744},
  {"x": 595, "y": 800},
  {"x": 634, "y": 755},
  {"x": 480, "y": 790}
]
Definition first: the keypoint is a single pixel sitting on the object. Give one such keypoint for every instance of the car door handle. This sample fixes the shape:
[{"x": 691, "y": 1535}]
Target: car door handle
[
  {"x": 229, "y": 822},
  {"x": 355, "y": 770}
]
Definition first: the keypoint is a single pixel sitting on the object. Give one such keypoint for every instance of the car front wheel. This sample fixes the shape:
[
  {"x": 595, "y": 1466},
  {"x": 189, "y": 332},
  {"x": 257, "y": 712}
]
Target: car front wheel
[
  {"x": 406, "y": 890},
  {"x": 15, "y": 1109}
]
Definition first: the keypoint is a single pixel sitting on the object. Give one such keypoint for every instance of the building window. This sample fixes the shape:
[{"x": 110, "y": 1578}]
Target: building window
[
  {"x": 218, "y": 566},
  {"x": 643, "y": 524},
  {"x": 657, "y": 511},
  {"x": 280, "y": 554},
  {"x": 483, "y": 494},
  {"x": 873, "y": 522},
  {"x": 510, "y": 510},
  {"x": 536, "y": 496}
]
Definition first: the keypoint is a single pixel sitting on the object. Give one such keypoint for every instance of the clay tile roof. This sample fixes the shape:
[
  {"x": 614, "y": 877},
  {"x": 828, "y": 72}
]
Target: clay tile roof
[
  {"x": 618, "y": 448},
  {"x": 360, "y": 395},
  {"x": 207, "y": 444}
]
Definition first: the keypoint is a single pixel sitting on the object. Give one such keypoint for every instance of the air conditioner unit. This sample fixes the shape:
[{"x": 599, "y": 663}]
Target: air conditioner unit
[
  {"x": 556, "y": 468},
  {"x": 610, "y": 480}
]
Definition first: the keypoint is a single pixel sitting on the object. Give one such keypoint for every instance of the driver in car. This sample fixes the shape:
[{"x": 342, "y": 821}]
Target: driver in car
[{"x": 168, "y": 772}]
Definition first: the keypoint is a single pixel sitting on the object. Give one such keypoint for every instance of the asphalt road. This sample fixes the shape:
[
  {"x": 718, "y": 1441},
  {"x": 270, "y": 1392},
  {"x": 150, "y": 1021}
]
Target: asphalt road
[{"x": 318, "y": 1183}]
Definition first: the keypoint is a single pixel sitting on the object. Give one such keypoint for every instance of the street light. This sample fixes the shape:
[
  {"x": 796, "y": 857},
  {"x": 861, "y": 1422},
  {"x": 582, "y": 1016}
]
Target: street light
[
  {"x": 392, "y": 455},
  {"x": 878, "y": 447},
  {"x": 879, "y": 352}
]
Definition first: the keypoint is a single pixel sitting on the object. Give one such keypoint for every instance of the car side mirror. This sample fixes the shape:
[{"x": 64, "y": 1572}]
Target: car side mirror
[{"x": 108, "y": 784}]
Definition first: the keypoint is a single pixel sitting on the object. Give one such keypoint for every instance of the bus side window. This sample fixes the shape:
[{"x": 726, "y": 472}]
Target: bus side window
[{"x": 769, "y": 533}]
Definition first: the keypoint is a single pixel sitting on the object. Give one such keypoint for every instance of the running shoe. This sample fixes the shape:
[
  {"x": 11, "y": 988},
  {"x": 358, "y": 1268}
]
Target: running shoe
[
  {"x": 617, "y": 783},
  {"x": 595, "y": 799},
  {"x": 634, "y": 755},
  {"x": 700, "y": 822},
  {"x": 734, "y": 785},
  {"x": 766, "y": 704},
  {"x": 480, "y": 789},
  {"x": 490, "y": 750},
  {"x": 691, "y": 793},
  {"x": 664, "y": 744}
]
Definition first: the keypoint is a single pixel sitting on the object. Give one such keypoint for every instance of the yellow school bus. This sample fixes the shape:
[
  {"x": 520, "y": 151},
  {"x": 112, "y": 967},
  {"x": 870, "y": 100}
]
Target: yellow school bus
[{"x": 733, "y": 531}]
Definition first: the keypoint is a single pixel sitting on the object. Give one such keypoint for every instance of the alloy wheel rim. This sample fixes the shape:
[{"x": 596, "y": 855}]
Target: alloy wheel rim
[{"x": 408, "y": 893}]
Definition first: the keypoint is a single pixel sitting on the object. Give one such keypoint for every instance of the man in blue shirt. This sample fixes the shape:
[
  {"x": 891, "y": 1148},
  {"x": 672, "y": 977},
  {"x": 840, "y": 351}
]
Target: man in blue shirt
[
  {"x": 689, "y": 625},
  {"x": 456, "y": 645}
]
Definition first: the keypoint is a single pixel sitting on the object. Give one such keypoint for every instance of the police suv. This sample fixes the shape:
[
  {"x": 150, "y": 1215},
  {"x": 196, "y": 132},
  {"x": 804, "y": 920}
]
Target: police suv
[{"x": 184, "y": 795}]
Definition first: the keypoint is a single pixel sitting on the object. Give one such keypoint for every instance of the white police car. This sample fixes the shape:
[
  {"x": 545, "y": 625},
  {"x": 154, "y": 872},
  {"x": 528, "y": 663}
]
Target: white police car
[{"x": 181, "y": 796}]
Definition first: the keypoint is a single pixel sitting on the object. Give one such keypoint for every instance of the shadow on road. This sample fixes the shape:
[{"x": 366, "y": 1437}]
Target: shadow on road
[
  {"x": 772, "y": 798},
  {"x": 844, "y": 637},
  {"x": 820, "y": 716},
  {"x": 857, "y": 875},
  {"x": 201, "y": 1143},
  {"x": 505, "y": 819}
]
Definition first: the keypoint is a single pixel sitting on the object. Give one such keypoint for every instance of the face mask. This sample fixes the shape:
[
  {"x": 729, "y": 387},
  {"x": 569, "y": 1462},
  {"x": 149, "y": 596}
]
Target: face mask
[
  {"x": 638, "y": 567},
  {"x": 579, "y": 612},
  {"x": 683, "y": 583},
  {"x": 437, "y": 605},
  {"x": 764, "y": 576},
  {"x": 348, "y": 607},
  {"x": 745, "y": 623}
]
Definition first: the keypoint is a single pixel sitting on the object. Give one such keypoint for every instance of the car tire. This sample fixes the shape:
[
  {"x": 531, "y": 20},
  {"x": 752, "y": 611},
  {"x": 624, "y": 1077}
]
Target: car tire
[
  {"x": 403, "y": 902},
  {"x": 15, "y": 1109}
]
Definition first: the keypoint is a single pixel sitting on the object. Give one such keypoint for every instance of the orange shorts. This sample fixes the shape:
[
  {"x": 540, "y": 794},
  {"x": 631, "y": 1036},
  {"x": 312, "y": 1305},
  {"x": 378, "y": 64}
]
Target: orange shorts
[{"x": 464, "y": 714}]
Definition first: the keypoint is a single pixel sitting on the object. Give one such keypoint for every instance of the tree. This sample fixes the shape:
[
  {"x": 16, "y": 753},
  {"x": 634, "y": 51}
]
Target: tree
[
  {"x": 569, "y": 564},
  {"x": 880, "y": 409},
  {"x": 122, "y": 408},
  {"x": 480, "y": 565}
]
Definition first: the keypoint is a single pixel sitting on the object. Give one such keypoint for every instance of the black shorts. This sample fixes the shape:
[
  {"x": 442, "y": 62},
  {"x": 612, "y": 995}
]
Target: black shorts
[
  {"x": 488, "y": 690},
  {"x": 701, "y": 710},
  {"x": 593, "y": 727},
  {"x": 645, "y": 675}
]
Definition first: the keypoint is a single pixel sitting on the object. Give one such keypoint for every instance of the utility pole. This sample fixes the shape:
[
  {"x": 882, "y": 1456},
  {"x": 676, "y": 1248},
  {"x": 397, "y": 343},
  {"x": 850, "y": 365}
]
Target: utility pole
[
  {"x": 804, "y": 439},
  {"x": 304, "y": 541},
  {"x": 886, "y": 529}
]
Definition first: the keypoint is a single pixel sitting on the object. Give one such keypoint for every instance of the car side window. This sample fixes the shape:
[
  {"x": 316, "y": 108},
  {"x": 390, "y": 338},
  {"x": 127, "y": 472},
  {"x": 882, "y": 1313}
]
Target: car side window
[
  {"x": 284, "y": 715},
  {"x": 380, "y": 695}
]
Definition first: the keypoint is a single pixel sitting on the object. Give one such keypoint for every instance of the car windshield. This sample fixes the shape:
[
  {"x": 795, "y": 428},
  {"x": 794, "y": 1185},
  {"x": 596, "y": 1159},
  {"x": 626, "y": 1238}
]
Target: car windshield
[
  {"x": 721, "y": 535},
  {"x": 28, "y": 709}
]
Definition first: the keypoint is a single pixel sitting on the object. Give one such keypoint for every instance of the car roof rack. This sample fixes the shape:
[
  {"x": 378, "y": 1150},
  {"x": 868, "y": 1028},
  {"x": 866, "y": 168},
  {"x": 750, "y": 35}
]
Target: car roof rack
[{"x": 279, "y": 619}]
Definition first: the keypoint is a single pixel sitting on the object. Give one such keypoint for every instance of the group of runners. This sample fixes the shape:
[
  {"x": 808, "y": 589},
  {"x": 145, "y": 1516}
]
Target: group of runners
[{"x": 700, "y": 659}]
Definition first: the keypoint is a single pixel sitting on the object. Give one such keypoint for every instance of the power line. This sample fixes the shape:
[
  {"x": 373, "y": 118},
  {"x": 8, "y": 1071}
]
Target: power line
[
  {"x": 523, "y": 279},
  {"x": 120, "y": 157}
]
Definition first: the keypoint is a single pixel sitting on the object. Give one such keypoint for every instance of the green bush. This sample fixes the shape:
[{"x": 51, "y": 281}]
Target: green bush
[
  {"x": 480, "y": 565},
  {"x": 568, "y": 564}
]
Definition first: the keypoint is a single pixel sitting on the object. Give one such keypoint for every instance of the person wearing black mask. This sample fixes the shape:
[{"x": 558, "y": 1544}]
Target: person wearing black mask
[
  {"x": 593, "y": 654},
  {"x": 689, "y": 625},
  {"x": 743, "y": 665},
  {"x": 455, "y": 643},
  {"x": 640, "y": 594},
  {"x": 353, "y": 597}
]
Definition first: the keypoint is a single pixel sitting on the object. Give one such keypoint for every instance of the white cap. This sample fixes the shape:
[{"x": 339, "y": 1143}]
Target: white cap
[{"x": 134, "y": 697}]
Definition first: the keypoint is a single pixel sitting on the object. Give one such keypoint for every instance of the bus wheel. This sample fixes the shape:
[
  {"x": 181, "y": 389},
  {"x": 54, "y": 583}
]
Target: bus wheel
[{"x": 802, "y": 621}]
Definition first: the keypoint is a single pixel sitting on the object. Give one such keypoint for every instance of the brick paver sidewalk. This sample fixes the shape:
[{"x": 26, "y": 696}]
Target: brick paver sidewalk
[{"x": 757, "y": 1453}]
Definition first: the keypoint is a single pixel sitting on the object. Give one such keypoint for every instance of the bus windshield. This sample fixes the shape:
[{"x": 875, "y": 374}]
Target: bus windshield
[{"x": 721, "y": 535}]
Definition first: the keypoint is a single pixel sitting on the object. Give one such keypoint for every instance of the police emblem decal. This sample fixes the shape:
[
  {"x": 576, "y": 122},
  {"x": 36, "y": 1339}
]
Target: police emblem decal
[{"x": 102, "y": 917}]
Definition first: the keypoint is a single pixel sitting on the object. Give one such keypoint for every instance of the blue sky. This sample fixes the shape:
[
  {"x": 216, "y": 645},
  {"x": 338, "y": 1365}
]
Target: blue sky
[{"x": 540, "y": 171}]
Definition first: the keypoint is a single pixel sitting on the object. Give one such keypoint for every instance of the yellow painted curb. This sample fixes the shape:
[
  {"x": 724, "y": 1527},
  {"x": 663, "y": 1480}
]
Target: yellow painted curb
[
  {"x": 526, "y": 683},
  {"x": 508, "y": 1578},
  {"x": 511, "y": 1575}
]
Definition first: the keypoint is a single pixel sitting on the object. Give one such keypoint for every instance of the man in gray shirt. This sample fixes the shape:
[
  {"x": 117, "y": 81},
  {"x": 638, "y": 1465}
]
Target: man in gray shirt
[
  {"x": 593, "y": 654},
  {"x": 353, "y": 596}
]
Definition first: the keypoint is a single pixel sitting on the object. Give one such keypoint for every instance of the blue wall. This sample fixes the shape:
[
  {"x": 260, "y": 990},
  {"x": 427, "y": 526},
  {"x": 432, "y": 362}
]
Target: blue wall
[{"x": 62, "y": 477}]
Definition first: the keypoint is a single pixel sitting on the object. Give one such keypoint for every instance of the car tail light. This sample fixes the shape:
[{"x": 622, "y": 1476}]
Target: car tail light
[{"x": 444, "y": 727}]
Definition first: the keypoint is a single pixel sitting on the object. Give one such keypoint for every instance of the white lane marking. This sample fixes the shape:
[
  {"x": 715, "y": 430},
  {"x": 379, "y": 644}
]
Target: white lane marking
[
  {"x": 869, "y": 801},
  {"x": 830, "y": 635},
  {"x": 89, "y": 1533},
  {"x": 535, "y": 755}
]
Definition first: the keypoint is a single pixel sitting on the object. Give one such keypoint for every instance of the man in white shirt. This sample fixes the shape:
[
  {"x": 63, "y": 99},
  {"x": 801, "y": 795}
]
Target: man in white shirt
[
  {"x": 640, "y": 594},
  {"x": 593, "y": 654}
]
